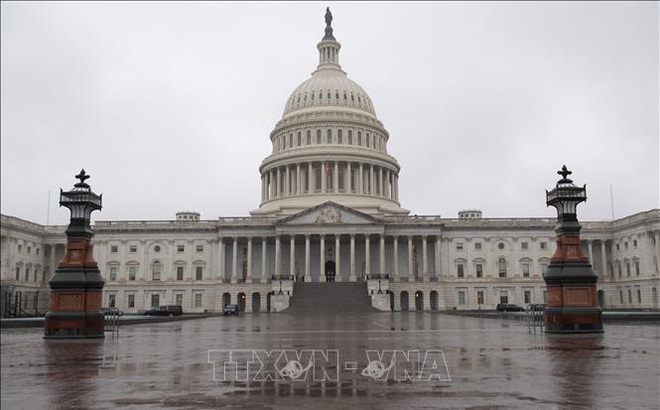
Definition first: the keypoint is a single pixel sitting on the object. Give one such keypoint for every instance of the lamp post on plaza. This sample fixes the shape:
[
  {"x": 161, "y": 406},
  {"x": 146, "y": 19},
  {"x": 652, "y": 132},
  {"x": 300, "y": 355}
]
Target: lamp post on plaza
[
  {"x": 570, "y": 279},
  {"x": 77, "y": 286}
]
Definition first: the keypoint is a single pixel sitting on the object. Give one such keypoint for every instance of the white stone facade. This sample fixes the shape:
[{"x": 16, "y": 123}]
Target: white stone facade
[{"x": 330, "y": 202}]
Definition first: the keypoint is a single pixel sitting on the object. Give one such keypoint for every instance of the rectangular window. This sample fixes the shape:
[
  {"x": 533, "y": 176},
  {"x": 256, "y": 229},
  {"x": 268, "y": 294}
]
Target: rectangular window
[
  {"x": 18, "y": 273},
  {"x": 155, "y": 301},
  {"x": 634, "y": 243},
  {"x": 113, "y": 249},
  {"x": 199, "y": 272},
  {"x": 132, "y": 249},
  {"x": 460, "y": 270},
  {"x": 544, "y": 246},
  {"x": 29, "y": 249},
  {"x": 639, "y": 296},
  {"x": 619, "y": 269},
  {"x": 477, "y": 246},
  {"x": 459, "y": 246},
  {"x": 180, "y": 248},
  {"x": 461, "y": 297},
  {"x": 37, "y": 250},
  {"x": 544, "y": 267},
  {"x": 527, "y": 296},
  {"x": 621, "y": 296},
  {"x": 628, "y": 269},
  {"x": 27, "y": 275},
  {"x": 480, "y": 270},
  {"x": 179, "y": 273},
  {"x": 198, "y": 300},
  {"x": 20, "y": 248},
  {"x": 178, "y": 299},
  {"x": 629, "y": 296},
  {"x": 637, "y": 268},
  {"x": 131, "y": 300},
  {"x": 618, "y": 247},
  {"x": 504, "y": 296},
  {"x": 156, "y": 271},
  {"x": 131, "y": 272},
  {"x": 524, "y": 246},
  {"x": 111, "y": 300},
  {"x": 480, "y": 297},
  {"x": 113, "y": 273},
  {"x": 199, "y": 248},
  {"x": 525, "y": 269}
]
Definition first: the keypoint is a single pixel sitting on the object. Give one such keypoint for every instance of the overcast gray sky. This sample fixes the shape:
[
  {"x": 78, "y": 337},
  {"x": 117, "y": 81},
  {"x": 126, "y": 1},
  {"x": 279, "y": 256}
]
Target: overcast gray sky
[{"x": 169, "y": 106}]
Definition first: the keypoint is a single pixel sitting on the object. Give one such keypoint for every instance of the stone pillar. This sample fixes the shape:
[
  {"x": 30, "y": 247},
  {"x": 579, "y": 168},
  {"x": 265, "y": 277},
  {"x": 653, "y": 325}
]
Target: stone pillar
[
  {"x": 361, "y": 184},
  {"x": 656, "y": 235},
  {"x": 436, "y": 257},
  {"x": 349, "y": 182},
  {"x": 278, "y": 183},
  {"x": 234, "y": 261},
  {"x": 248, "y": 277},
  {"x": 287, "y": 185},
  {"x": 322, "y": 258},
  {"x": 335, "y": 177},
  {"x": 372, "y": 180},
  {"x": 264, "y": 273},
  {"x": 292, "y": 256},
  {"x": 310, "y": 177},
  {"x": 381, "y": 190},
  {"x": 221, "y": 258},
  {"x": 590, "y": 249},
  {"x": 308, "y": 271},
  {"x": 395, "y": 270},
  {"x": 410, "y": 259},
  {"x": 298, "y": 180},
  {"x": 278, "y": 261},
  {"x": 425, "y": 267},
  {"x": 367, "y": 255},
  {"x": 352, "y": 277},
  {"x": 383, "y": 271},
  {"x": 337, "y": 258},
  {"x": 324, "y": 178}
]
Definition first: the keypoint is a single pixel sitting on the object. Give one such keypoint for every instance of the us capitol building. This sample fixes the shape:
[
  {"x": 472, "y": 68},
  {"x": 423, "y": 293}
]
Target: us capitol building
[{"x": 330, "y": 211}]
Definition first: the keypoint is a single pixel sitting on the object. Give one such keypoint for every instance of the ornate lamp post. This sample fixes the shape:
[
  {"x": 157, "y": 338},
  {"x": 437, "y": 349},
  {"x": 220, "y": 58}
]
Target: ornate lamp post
[
  {"x": 77, "y": 286},
  {"x": 570, "y": 280}
]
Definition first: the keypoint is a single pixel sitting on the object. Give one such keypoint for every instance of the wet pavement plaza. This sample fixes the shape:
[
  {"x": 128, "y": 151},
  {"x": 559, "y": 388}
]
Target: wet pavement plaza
[{"x": 411, "y": 360}]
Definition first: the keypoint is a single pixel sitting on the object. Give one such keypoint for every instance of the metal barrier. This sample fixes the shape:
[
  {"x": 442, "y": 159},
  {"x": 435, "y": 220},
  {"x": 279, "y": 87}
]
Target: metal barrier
[
  {"x": 535, "y": 319},
  {"x": 111, "y": 320}
]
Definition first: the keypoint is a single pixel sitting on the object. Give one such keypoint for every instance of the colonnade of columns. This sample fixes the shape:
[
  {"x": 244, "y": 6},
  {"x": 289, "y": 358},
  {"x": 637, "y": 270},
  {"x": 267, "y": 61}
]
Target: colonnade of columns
[
  {"x": 330, "y": 177},
  {"x": 331, "y": 247}
]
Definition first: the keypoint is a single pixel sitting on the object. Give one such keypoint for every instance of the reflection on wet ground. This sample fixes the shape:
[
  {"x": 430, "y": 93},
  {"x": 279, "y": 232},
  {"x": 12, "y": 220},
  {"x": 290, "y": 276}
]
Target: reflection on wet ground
[{"x": 483, "y": 363}]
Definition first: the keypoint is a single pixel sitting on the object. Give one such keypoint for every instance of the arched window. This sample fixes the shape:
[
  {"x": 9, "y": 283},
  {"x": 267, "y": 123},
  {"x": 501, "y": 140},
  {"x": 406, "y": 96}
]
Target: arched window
[
  {"x": 309, "y": 137},
  {"x": 350, "y": 137},
  {"x": 501, "y": 267},
  {"x": 329, "y": 141},
  {"x": 339, "y": 137},
  {"x": 284, "y": 143},
  {"x": 318, "y": 137},
  {"x": 290, "y": 140},
  {"x": 367, "y": 140},
  {"x": 359, "y": 138},
  {"x": 299, "y": 138}
]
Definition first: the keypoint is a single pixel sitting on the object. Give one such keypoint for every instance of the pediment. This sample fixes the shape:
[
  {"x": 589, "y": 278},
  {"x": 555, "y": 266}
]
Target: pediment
[{"x": 329, "y": 213}]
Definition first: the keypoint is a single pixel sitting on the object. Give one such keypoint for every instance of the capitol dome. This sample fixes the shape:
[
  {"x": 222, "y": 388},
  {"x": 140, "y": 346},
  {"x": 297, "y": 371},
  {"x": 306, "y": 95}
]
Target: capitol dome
[{"x": 329, "y": 146}]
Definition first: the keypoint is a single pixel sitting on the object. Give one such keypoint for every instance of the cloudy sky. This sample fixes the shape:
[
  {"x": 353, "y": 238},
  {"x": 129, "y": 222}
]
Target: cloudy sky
[{"x": 169, "y": 106}]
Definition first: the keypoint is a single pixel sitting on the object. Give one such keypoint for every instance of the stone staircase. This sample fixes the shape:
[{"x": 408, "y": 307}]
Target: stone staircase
[{"x": 335, "y": 298}]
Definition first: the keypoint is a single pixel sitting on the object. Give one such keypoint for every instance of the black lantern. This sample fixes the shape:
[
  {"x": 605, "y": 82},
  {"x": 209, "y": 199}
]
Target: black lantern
[
  {"x": 81, "y": 201},
  {"x": 565, "y": 197}
]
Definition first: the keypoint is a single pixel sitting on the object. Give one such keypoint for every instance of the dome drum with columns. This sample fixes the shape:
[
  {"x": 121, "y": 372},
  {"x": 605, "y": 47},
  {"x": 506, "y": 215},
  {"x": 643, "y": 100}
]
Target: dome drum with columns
[{"x": 329, "y": 146}]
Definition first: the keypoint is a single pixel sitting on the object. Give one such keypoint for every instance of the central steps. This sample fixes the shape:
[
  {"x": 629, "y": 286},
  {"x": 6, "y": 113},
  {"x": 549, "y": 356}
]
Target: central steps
[{"x": 333, "y": 298}]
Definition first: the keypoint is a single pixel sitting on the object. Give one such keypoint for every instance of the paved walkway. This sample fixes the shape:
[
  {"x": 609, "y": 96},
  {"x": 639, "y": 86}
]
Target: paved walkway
[{"x": 490, "y": 363}]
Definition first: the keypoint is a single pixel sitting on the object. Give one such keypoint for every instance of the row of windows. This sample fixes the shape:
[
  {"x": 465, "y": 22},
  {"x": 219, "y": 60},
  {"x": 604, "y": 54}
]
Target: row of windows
[
  {"x": 523, "y": 245},
  {"x": 285, "y": 141},
  {"x": 28, "y": 249},
  {"x": 313, "y": 95},
  {"x": 625, "y": 244},
  {"x": 504, "y": 297},
  {"x": 155, "y": 300},
  {"x": 157, "y": 248},
  {"x": 501, "y": 266},
  {"x": 630, "y": 298},
  {"x": 619, "y": 267},
  {"x": 156, "y": 272},
  {"x": 25, "y": 274}
]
